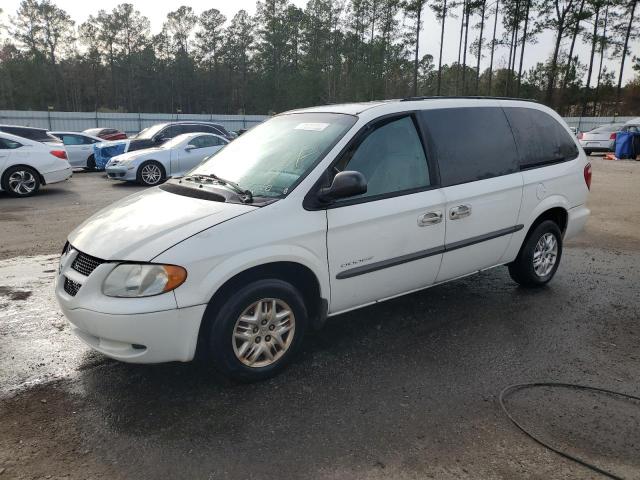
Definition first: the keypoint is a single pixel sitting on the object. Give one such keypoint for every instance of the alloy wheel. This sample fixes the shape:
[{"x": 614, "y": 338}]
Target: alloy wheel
[
  {"x": 151, "y": 174},
  {"x": 263, "y": 332},
  {"x": 545, "y": 254},
  {"x": 22, "y": 182}
]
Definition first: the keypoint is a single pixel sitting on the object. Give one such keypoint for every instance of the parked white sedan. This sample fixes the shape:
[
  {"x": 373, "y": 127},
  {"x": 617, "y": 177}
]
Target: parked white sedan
[
  {"x": 79, "y": 147},
  {"x": 25, "y": 165},
  {"x": 153, "y": 166}
]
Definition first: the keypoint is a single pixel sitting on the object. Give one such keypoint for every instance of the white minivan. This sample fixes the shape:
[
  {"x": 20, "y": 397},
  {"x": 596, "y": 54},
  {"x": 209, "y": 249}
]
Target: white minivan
[{"x": 319, "y": 211}]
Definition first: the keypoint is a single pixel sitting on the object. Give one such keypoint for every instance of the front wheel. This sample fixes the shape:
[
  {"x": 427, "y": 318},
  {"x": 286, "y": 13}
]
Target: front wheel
[
  {"x": 20, "y": 181},
  {"x": 150, "y": 173},
  {"x": 256, "y": 332},
  {"x": 539, "y": 257}
]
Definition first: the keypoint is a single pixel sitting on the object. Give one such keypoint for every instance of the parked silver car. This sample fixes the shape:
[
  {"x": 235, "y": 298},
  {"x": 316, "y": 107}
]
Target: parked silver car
[{"x": 600, "y": 139}]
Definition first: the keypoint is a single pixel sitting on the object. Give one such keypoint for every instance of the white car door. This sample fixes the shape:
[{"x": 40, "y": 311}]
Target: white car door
[
  {"x": 197, "y": 149},
  {"x": 78, "y": 149},
  {"x": 482, "y": 184},
  {"x": 389, "y": 240}
]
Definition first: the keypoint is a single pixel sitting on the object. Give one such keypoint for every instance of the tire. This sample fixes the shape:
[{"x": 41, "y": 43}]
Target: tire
[
  {"x": 91, "y": 163},
  {"x": 588, "y": 152},
  {"x": 151, "y": 173},
  {"x": 229, "y": 354},
  {"x": 20, "y": 181},
  {"x": 523, "y": 270}
]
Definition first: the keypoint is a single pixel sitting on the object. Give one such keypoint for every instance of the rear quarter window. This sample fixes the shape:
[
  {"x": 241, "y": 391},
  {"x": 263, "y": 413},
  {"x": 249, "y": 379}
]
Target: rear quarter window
[
  {"x": 471, "y": 144},
  {"x": 541, "y": 139}
]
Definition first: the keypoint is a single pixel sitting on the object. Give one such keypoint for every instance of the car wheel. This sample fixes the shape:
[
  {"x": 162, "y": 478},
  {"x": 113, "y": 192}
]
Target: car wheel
[
  {"x": 256, "y": 332},
  {"x": 539, "y": 257},
  {"x": 91, "y": 163},
  {"x": 150, "y": 173},
  {"x": 588, "y": 152},
  {"x": 20, "y": 181}
]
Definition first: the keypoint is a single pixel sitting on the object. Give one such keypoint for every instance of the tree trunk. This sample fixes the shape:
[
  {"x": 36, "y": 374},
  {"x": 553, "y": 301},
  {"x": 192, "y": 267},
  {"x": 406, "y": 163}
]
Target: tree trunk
[
  {"x": 444, "y": 16},
  {"x": 464, "y": 54},
  {"x": 464, "y": 6},
  {"x": 493, "y": 46},
  {"x": 594, "y": 38},
  {"x": 524, "y": 43},
  {"x": 576, "y": 30},
  {"x": 551, "y": 78},
  {"x": 484, "y": 5},
  {"x": 415, "y": 64},
  {"x": 603, "y": 41},
  {"x": 512, "y": 48},
  {"x": 624, "y": 49}
]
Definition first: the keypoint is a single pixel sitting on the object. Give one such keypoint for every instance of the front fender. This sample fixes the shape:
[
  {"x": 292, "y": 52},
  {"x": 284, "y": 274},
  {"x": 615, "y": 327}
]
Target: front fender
[{"x": 207, "y": 283}]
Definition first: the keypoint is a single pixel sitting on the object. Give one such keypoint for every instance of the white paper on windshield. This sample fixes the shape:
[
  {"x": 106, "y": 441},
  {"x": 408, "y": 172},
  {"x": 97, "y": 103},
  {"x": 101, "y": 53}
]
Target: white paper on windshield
[{"x": 314, "y": 127}]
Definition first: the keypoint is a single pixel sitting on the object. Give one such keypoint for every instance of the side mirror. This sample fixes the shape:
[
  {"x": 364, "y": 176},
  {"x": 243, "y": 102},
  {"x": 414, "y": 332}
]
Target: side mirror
[
  {"x": 345, "y": 184},
  {"x": 190, "y": 147}
]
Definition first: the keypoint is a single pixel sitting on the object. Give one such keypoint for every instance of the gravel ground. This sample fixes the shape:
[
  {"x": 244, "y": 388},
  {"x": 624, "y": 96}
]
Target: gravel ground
[{"x": 406, "y": 389}]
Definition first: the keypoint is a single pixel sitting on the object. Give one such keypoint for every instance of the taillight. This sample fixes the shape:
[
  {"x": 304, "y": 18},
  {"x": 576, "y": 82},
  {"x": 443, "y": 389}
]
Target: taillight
[
  {"x": 61, "y": 154},
  {"x": 613, "y": 136},
  {"x": 587, "y": 175},
  {"x": 580, "y": 135}
]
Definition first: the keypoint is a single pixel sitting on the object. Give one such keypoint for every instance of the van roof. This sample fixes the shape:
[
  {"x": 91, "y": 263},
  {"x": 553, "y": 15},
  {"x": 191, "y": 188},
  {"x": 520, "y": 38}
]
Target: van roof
[{"x": 359, "y": 107}]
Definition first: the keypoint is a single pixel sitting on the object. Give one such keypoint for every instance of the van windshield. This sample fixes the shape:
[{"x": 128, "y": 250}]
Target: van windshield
[{"x": 271, "y": 158}]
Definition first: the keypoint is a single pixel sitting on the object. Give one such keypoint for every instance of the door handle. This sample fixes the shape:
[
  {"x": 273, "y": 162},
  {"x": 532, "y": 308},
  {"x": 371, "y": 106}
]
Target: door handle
[
  {"x": 429, "y": 218},
  {"x": 459, "y": 212}
]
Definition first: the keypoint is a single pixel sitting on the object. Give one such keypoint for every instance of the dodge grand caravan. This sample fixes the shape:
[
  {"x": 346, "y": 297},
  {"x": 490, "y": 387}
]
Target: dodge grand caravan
[{"x": 316, "y": 212}]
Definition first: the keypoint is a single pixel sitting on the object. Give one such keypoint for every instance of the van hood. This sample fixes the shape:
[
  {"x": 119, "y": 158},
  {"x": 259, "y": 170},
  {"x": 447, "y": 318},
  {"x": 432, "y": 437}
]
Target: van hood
[{"x": 143, "y": 225}]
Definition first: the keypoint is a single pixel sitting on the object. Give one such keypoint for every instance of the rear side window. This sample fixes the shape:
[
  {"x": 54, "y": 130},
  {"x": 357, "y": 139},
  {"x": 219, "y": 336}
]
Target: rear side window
[
  {"x": 30, "y": 133},
  {"x": 72, "y": 139},
  {"x": 6, "y": 144},
  {"x": 471, "y": 143},
  {"x": 541, "y": 139}
]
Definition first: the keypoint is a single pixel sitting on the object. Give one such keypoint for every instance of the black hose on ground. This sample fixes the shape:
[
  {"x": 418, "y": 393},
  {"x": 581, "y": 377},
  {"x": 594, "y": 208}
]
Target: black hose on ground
[{"x": 520, "y": 386}]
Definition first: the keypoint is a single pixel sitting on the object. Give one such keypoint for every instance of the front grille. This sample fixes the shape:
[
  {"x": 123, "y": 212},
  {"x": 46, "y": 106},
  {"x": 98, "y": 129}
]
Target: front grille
[
  {"x": 85, "y": 264},
  {"x": 71, "y": 287}
]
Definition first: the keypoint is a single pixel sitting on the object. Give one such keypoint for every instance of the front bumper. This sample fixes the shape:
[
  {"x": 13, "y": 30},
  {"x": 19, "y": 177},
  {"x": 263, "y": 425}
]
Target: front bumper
[
  {"x": 121, "y": 172},
  {"x": 137, "y": 330},
  {"x": 154, "y": 337}
]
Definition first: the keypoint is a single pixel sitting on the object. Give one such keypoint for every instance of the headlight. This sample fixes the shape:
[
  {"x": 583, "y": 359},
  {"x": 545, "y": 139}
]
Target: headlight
[{"x": 143, "y": 280}]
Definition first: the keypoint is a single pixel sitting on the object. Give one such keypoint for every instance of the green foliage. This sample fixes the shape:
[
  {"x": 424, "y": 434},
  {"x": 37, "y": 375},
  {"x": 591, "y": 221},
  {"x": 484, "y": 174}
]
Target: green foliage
[{"x": 287, "y": 57}]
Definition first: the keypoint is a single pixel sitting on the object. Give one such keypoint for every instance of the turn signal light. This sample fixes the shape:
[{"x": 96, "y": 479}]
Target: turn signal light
[
  {"x": 61, "y": 154},
  {"x": 587, "y": 175}
]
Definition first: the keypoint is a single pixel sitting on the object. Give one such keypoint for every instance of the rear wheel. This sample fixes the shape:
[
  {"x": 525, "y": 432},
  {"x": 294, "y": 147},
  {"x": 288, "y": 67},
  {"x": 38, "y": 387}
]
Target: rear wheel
[
  {"x": 91, "y": 163},
  {"x": 151, "y": 173},
  {"x": 256, "y": 332},
  {"x": 539, "y": 257},
  {"x": 20, "y": 181}
]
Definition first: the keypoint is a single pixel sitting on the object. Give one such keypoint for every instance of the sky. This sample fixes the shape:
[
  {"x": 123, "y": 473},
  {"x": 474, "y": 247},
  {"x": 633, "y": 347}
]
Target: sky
[{"x": 429, "y": 41}]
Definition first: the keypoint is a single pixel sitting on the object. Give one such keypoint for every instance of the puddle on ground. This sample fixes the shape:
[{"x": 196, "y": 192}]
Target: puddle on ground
[{"x": 36, "y": 344}]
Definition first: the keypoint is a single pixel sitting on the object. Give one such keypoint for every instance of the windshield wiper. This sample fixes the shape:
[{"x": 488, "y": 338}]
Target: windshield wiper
[{"x": 245, "y": 195}]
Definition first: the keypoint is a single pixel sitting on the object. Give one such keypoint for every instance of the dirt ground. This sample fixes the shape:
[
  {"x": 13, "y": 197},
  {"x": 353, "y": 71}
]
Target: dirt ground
[{"x": 407, "y": 389}]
